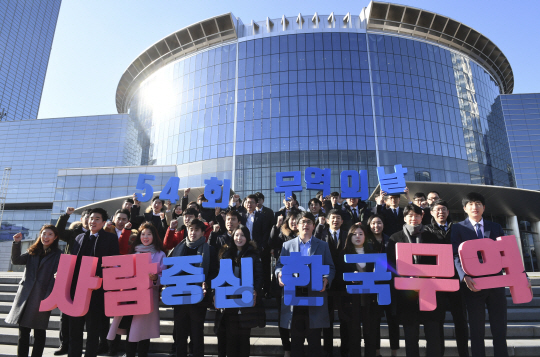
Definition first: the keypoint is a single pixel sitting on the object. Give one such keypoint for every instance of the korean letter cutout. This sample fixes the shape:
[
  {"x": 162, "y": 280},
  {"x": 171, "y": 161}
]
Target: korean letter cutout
[
  {"x": 426, "y": 287},
  {"x": 368, "y": 279},
  {"x": 182, "y": 289},
  {"x": 61, "y": 297},
  {"x": 235, "y": 287},
  {"x": 496, "y": 255},
  {"x": 288, "y": 186},
  {"x": 296, "y": 272},
  {"x": 393, "y": 183},
  {"x": 213, "y": 193},
  {"x": 359, "y": 184},
  {"x": 128, "y": 285},
  {"x": 318, "y": 179}
]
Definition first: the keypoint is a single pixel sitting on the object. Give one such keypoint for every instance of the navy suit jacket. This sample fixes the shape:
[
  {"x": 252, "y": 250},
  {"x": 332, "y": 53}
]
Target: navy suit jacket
[
  {"x": 464, "y": 231},
  {"x": 318, "y": 315}
]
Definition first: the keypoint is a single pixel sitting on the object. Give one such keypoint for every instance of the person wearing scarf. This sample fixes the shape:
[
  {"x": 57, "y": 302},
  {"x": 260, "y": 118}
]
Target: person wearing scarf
[
  {"x": 189, "y": 319},
  {"x": 236, "y": 323},
  {"x": 406, "y": 301},
  {"x": 141, "y": 328}
]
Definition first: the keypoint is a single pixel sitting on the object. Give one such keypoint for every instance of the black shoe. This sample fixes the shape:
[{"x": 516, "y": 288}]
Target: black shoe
[
  {"x": 103, "y": 349},
  {"x": 63, "y": 350},
  {"x": 113, "y": 351}
]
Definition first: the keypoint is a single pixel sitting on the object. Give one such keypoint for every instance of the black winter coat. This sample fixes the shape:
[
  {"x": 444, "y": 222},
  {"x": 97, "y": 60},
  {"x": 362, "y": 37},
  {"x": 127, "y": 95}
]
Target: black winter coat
[
  {"x": 406, "y": 301},
  {"x": 250, "y": 317}
]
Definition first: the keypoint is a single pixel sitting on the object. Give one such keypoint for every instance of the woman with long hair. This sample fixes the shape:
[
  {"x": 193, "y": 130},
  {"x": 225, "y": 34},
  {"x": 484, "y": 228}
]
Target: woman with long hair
[
  {"x": 141, "y": 328},
  {"x": 284, "y": 230},
  {"x": 377, "y": 242},
  {"x": 354, "y": 309},
  {"x": 41, "y": 261},
  {"x": 239, "y": 321}
]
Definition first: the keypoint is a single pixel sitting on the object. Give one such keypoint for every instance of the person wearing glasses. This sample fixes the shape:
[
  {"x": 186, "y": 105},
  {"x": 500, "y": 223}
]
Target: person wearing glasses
[
  {"x": 441, "y": 227},
  {"x": 306, "y": 322}
]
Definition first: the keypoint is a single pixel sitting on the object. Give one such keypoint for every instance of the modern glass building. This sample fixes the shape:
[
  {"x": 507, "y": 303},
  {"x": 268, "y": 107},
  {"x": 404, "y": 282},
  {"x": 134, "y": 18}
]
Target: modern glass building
[
  {"x": 37, "y": 149},
  {"x": 392, "y": 85},
  {"x": 521, "y": 114},
  {"x": 26, "y": 36}
]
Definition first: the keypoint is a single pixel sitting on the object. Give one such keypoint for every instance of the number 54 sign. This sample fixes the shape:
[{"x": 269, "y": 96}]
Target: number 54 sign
[{"x": 212, "y": 190}]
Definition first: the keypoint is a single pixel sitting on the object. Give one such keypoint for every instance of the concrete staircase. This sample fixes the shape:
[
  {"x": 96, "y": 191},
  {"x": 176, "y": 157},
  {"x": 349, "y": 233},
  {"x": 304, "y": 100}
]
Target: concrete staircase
[{"x": 523, "y": 329}]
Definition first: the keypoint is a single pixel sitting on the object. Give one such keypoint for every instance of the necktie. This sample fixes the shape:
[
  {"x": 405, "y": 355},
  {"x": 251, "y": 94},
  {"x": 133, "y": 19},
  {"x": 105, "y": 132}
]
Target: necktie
[
  {"x": 354, "y": 213},
  {"x": 479, "y": 231},
  {"x": 335, "y": 239},
  {"x": 443, "y": 228},
  {"x": 395, "y": 212}
]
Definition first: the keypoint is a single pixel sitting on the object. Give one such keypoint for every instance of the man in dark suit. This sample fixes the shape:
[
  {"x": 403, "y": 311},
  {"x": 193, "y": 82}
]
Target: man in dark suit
[
  {"x": 68, "y": 236},
  {"x": 357, "y": 211},
  {"x": 475, "y": 227},
  {"x": 259, "y": 226},
  {"x": 441, "y": 227},
  {"x": 388, "y": 208},
  {"x": 95, "y": 242},
  {"x": 306, "y": 322},
  {"x": 335, "y": 235},
  {"x": 406, "y": 301},
  {"x": 267, "y": 212}
]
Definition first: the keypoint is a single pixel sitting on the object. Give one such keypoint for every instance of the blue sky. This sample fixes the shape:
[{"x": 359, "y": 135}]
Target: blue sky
[{"x": 96, "y": 40}]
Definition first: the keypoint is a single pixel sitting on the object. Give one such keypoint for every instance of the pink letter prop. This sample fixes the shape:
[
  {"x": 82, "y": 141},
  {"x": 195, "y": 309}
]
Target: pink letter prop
[
  {"x": 427, "y": 288},
  {"x": 130, "y": 275},
  {"x": 496, "y": 255},
  {"x": 60, "y": 296}
]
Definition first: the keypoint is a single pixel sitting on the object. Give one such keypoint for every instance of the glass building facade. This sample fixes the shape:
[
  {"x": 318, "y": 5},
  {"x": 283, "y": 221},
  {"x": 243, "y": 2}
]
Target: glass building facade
[
  {"x": 26, "y": 36},
  {"x": 37, "y": 149},
  {"x": 521, "y": 114},
  {"x": 344, "y": 99}
]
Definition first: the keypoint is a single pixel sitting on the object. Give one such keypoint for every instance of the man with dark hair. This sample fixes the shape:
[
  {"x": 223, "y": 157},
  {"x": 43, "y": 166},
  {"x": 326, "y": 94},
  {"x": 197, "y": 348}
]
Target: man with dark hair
[
  {"x": 94, "y": 243},
  {"x": 441, "y": 227},
  {"x": 432, "y": 197},
  {"x": 334, "y": 201},
  {"x": 420, "y": 200},
  {"x": 335, "y": 236},
  {"x": 267, "y": 212},
  {"x": 223, "y": 235},
  {"x": 388, "y": 208},
  {"x": 189, "y": 319},
  {"x": 356, "y": 211},
  {"x": 68, "y": 236},
  {"x": 306, "y": 322},
  {"x": 128, "y": 203},
  {"x": 174, "y": 237},
  {"x": 476, "y": 300},
  {"x": 406, "y": 301},
  {"x": 120, "y": 219}
]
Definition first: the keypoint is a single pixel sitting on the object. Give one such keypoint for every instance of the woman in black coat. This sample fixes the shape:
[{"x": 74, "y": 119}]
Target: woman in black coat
[
  {"x": 239, "y": 321},
  {"x": 354, "y": 309},
  {"x": 284, "y": 230},
  {"x": 41, "y": 262},
  {"x": 376, "y": 242}
]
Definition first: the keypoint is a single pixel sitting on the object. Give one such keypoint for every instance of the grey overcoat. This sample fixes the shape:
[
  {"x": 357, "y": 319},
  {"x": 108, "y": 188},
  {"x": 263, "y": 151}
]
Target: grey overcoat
[
  {"x": 318, "y": 315},
  {"x": 36, "y": 284}
]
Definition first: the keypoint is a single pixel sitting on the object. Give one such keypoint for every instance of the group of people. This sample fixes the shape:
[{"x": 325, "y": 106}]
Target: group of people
[{"x": 331, "y": 227}]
